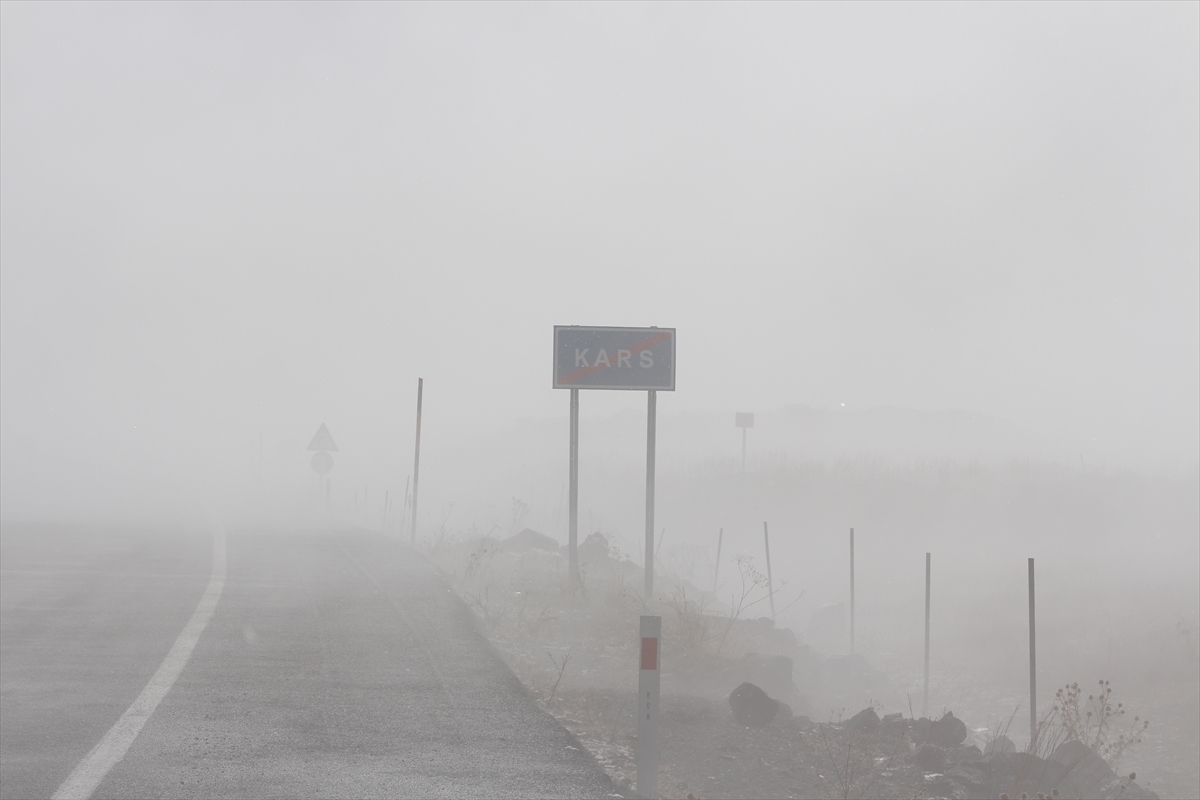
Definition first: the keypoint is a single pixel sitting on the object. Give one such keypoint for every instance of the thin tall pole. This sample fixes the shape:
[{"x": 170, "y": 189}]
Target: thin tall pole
[
  {"x": 651, "y": 414},
  {"x": 743, "y": 449},
  {"x": 717, "y": 570},
  {"x": 407, "y": 499},
  {"x": 416, "y": 462},
  {"x": 770, "y": 582},
  {"x": 1032, "y": 668},
  {"x": 925, "y": 703},
  {"x": 852, "y": 591},
  {"x": 573, "y": 521}
]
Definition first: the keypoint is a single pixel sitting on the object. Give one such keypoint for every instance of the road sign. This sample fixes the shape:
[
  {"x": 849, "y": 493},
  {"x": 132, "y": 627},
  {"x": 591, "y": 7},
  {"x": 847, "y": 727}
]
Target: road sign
[
  {"x": 614, "y": 358},
  {"x": 323, "y": 441},
  {"x": 321, "y": 462},
  {"x": 743, "y": 420}
]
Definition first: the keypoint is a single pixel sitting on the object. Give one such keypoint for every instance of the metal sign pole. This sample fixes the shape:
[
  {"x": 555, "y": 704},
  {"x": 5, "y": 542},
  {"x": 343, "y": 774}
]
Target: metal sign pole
[
  {"x": 1032, "y": 669},
  {"x": 743, "y": 449},
  {"x": 647, "y": 730},
  {"x": 770, "y": 582},
  {"x": 416, "y": 463},
  {"x": 573, "y": 522},
  {"x": 717, "y": 570},
  {"x": 651, "y": 414},
  {"x": 925, "y": 703}
]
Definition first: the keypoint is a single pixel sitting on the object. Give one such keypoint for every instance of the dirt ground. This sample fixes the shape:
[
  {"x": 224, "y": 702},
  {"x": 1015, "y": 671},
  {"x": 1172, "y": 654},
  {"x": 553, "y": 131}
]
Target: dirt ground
[{"x": 576, "y": 652}]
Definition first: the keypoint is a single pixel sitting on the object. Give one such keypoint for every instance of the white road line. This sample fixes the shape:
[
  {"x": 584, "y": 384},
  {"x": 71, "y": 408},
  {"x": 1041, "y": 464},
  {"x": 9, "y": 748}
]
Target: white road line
[{"x": 84, "y": 779}]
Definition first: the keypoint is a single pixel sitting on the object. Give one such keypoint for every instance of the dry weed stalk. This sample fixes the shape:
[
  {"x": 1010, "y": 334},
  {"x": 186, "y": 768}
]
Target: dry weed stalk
[
  {"x": 751, "y": 579},
  {"x": 859, "y": 763},
  {"x": 561, "y": 667},
  {"x": 691, "y": 628},
  {"x": 1093, "y": 721}
]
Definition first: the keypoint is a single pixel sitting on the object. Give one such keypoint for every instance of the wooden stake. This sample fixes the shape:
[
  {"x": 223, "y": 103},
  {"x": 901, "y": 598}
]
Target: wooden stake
[
  {"x": 925, "y": 704},
  {"x": 717, "y": 570},
  {"x": 1032, "y": 668}
]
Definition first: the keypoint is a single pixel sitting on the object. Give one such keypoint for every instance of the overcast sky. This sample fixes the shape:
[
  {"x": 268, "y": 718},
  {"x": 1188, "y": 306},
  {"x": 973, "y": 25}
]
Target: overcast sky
[{"x": 220, "y": 218}]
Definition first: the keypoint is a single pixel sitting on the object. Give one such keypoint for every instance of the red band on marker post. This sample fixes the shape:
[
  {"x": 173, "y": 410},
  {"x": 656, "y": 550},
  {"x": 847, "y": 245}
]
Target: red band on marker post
[{"x": 649, "y": 653}]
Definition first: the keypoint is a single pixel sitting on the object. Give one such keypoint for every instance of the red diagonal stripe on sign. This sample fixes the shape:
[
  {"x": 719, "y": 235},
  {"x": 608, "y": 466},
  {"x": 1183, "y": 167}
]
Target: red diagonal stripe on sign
[{"x": 657, "y": 338}]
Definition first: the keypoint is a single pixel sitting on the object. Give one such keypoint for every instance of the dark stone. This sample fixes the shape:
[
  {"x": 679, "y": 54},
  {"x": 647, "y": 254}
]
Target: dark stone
[
  {"x": 751, "y": 706},
  {"x": 964, "y": 754},
  {"x": 594, "y": 546},
  {"x": 864, "y": 721},
  {"x": 1073, "y": 770},
  {"x": 1001, "y": 744},
  {"x": 1014, "y": 773},
  {"x": 929, "y": 759},
  {"x": 772, "y": 673},
  {"x": 921, "y": 729},
  {"x": 529, "y": 539},
  {"x": 971, "y": 780},
  {"x": 1088, "y": 773},
  {"x": 949, "y": 731}
]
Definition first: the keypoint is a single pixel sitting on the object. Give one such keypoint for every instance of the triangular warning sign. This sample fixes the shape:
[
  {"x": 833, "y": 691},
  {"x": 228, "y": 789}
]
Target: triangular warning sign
[{"x": 323, "y": 441}]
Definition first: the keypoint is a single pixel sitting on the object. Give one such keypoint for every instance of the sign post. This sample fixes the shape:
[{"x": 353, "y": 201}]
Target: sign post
[
  {"x": 573, "y": 534},
  {"x": 743, "y": 420},
  {"x": 651, "y": 415},
  {"x": 322, "y": 462},
  {"x": 613, "y": 358},
  {"x": 648, "y": 683}
]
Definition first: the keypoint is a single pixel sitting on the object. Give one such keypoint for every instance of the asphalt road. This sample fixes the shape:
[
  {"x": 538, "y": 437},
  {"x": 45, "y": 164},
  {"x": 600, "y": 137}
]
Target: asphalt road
[{"x": 335, "y": 665}]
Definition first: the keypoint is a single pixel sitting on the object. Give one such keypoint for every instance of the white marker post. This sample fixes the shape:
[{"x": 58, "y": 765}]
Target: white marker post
[{"x": 647, "y": 734}]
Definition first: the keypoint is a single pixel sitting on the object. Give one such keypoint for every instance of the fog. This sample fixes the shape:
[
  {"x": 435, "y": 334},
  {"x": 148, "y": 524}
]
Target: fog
[
  {"x": 949, "y": 254},
  {"x": 227, "y": 220}
]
